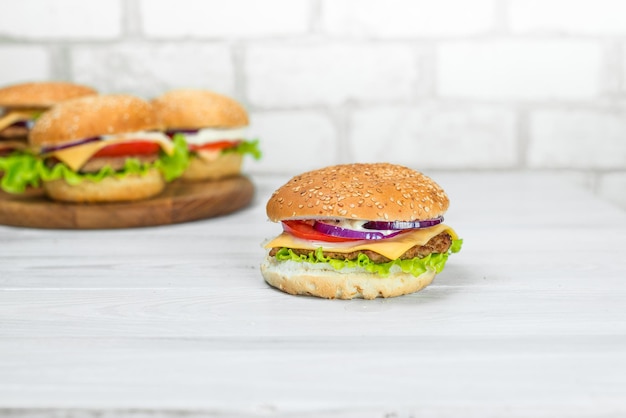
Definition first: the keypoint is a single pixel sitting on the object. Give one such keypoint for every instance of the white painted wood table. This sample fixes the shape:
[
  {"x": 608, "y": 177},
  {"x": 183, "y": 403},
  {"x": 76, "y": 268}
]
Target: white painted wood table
[{"x": 528, "y": 320}]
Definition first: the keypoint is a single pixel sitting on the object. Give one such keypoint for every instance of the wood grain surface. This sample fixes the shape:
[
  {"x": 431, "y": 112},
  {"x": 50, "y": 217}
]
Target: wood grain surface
[
  {"x": 528, "y": 320},
  {"x": 179, "y": 202}
]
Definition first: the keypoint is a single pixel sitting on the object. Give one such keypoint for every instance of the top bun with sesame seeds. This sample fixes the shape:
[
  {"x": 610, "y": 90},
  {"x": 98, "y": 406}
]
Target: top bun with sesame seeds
[
  {"x": 375, "y": 192},
  {"x": 198, "y": 109},
  {"x": 41, "y": 95},
  {"x": 93, "y": 116}
]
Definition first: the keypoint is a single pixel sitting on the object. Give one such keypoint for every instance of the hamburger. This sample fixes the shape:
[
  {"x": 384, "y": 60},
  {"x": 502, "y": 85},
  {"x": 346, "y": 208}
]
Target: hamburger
[
  {"x": 358, "y": 231},
  {"x": 214, "y": 127},
  {"x": 21, "y": 104},
  {"x": 105, "y": 148}
]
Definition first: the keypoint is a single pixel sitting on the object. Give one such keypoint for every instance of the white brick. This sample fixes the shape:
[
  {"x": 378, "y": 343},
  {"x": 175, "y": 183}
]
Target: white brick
[
  {"x": 148, "y": 70},
  {"x": 407, "y": 18},
  {"x": 23, "y": 63},
  {"x": 220, "y": 19},
  {"x": 613, "y": 188},
  {"x": 594, "y": 17},
  {"x": 520, "y": 69},
  {"x": 294, "y": 75},
  {"x": 62, "y": 19},
  {"x": 577, "y": 139},
  {"x": 293, "y": 141},
  {"x": 431, "y": 136}
]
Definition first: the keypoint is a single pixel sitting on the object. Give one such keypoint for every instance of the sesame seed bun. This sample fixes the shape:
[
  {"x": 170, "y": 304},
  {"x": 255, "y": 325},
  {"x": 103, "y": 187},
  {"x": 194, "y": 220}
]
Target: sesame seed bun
[
  {"x": 91, "y": 116},
  {"x": 41, "y": 95},
  {"x": 323, "y": 281},
  {"x": 377, "y": 192},
  {"x": 197, "y": 109},
  {"x": 110, "y": 189}
]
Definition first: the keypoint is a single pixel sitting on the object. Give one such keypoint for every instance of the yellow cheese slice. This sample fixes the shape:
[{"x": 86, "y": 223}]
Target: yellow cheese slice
[
  {"x": 12, "y": 117},
  {"x": 76, "y": 157},
  {"x": 391, "y": 248}
]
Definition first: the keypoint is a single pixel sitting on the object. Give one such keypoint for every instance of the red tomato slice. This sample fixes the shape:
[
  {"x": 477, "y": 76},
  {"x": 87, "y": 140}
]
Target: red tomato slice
[
  {"x": 128, "y": 148},
  {"x": 304, "y": 230},
  {"x": 215, "y": 146}
]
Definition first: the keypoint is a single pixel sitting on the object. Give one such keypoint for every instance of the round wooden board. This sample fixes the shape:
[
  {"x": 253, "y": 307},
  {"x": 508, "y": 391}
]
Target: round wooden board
[{"x": 179, "y": 202}]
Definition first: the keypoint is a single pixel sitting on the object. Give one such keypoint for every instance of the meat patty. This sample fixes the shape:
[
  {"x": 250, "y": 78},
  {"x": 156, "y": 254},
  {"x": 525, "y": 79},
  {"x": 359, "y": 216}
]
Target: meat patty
[
  {"x": 15, "y": 133},
  {"x": 116, "y": 163},
  {"x": 438, "y": 244}
]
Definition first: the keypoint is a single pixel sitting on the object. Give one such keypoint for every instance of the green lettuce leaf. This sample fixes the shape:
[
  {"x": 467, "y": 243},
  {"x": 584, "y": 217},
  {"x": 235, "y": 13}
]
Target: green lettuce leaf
[
  {"x": 19, "y": 170},
  {"x": 22, "y": 170},
  {"x": 173, "y": 166},
  {"x": 247, "y": 147},
  {"x": 414, "y": 266}
]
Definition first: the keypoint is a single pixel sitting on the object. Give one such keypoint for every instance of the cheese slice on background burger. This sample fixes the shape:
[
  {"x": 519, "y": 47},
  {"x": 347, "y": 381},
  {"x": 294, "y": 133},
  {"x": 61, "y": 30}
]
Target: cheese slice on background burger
[
  {"x": 214, "y": 127},
  {"x": 105, "y": 148},
  {"x": 21, "y": 104},
  {"x": 358, "y": 231}
]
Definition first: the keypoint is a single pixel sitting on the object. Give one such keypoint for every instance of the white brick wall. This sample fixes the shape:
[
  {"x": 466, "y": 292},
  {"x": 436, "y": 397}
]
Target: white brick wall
[
  {"x": 305, "y": 139},
  {"x": 21, "y": 63},
  {"x": 62, "y": 19},
  {"x": 436, "y": 137},
  {"x": 405, "y": 19},
  {"x": 577, "y": 139},
  {"x": 151, "y": 69},
  {"x": 497, "y": 84},
  {"x": 218, "y": 18},
  {"x": 593, "y": 17},
  {"x": 313, "y": 74},
  {"x": 520, "y": 69}
]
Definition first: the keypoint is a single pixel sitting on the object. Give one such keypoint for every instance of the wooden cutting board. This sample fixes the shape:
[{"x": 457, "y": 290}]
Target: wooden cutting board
[{"x": 179, "y": 202}]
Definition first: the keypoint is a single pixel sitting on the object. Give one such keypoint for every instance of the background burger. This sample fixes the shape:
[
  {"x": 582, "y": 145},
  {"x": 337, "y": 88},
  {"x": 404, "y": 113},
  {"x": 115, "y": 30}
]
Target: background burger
[
  {"x": 358, "y": 230},
  {"x": 214, "y": 128},
  {"x": 98, "y": 149},
  {"x": 21, "y": 104}
]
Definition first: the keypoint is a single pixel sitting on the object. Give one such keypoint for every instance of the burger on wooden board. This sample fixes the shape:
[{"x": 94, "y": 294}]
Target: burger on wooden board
[
  {"x": 214, "y": 127},
  {"x": 21, "y": 104},
  {"x": 105, "y": 148},
  {"x": 358, "y": 231}
]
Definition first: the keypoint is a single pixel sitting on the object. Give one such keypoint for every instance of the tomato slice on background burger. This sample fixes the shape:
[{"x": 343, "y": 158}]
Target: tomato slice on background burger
[
  {"x": 215, "y": 146},
  {"x": 128, "y": 148}
]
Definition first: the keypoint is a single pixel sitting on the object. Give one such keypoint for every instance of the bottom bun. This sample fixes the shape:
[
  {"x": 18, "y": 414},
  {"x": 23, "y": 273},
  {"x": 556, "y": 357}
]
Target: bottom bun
[
  {"x": 226, "y": 165},
  {"x": 109, "y": 189},
  {"x": 323, "y": 281}
]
